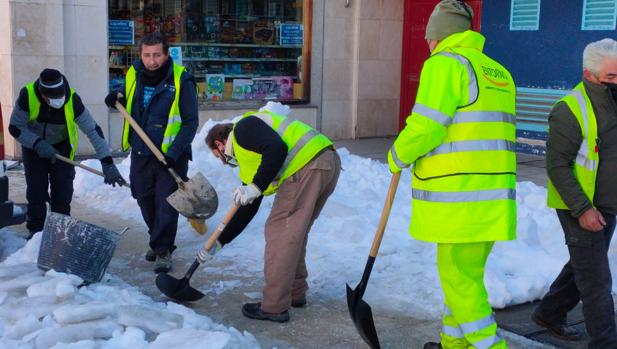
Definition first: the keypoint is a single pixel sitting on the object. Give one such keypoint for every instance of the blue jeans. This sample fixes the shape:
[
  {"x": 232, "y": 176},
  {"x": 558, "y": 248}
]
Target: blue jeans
[{"x": 587, "y": 278}]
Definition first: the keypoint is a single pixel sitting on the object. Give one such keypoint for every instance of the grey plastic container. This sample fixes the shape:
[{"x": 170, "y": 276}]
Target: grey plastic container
[{"x": 76, "y": 247}]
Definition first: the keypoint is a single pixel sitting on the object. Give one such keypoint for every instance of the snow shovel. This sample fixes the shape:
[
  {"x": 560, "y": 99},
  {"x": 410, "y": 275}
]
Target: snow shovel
[
  {"x": 181, "y": 290},
  {"x": 195, "y": 199},
  {"x": 87, "y": 168},
  {"x": 359, "y": 310}
]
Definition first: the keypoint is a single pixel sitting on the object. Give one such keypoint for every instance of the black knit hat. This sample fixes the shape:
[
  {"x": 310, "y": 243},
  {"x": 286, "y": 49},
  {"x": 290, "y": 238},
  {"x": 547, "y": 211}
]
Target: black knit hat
[{"x": 51, "y": 83}]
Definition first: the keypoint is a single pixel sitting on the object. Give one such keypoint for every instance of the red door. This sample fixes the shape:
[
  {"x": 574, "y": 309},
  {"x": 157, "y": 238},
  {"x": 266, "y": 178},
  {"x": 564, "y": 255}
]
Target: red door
[{"x": 415, "y": 49}]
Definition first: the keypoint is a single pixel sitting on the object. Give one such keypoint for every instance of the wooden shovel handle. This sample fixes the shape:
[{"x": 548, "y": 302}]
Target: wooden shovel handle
[
  {"x": 144, "y": 137},
  {"x": 87, "y": 168},
  {"x": 219, "y": 229},
  {"x": 385, "y": 213}
]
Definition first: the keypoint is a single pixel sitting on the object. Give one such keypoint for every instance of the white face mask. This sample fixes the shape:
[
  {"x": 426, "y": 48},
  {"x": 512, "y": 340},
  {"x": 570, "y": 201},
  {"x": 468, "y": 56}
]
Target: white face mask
[{"x": 56, "y": 103}]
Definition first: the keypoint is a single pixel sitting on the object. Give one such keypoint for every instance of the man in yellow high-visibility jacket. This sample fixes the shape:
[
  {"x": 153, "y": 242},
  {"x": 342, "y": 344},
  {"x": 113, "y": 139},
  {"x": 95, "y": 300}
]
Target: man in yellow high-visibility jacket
[{"x": 460, "y": 138}]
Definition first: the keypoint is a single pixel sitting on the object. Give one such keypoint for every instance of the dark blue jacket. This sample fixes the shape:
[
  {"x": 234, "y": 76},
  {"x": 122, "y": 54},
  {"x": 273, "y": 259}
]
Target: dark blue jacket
[{"x": 153, "y": 118}]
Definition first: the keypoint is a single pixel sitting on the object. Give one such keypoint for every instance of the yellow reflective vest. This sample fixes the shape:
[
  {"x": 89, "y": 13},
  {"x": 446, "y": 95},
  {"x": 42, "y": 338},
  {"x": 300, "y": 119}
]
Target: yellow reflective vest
[
  {"x": 34, "y": 106},
  {"x": 303, "y": 144},
  {"x": 174, "y": 121},
  {"x": 588, "y": 157},
  {"x": 460, "y": 138}
]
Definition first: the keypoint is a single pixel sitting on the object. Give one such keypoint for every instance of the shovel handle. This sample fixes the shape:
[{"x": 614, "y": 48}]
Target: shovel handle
[
  {"x": 144, "y": 137},
  {"x": 80, "y": 165},
  {"x": 219, "y": 229},
  {"x": 385, "y": 213}
]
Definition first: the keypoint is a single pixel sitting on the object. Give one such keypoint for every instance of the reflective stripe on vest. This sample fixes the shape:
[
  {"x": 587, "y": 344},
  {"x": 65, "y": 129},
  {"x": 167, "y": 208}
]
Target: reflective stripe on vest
[
  {"x": 473, "y": 83},
  {"x": 587, "y": 159},
  {"x": 174, "y": 120},
  {"x": 303, "y": 143},
  {"x": 464, "y": 196},
  {"x": 481, "y": 145},
  {"x": 34, "y": 107},
  {"x": 396, "y": 159}
]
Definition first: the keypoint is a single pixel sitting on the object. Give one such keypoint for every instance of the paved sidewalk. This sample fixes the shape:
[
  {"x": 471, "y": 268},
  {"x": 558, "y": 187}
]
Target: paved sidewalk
[{"x": 322, "y": 324}]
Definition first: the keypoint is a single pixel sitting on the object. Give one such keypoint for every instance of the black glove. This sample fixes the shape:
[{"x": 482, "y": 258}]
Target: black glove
[
  {"x": 171, "y": 162},
  {"x": 45, "y": 150},
  {"x": 112, "y": 98},
  {"x": 112, "y": 175}
]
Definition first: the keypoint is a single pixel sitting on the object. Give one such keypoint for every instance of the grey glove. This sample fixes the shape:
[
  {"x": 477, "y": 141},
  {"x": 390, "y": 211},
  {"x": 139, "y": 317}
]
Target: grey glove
[
  {"x": 45, "y": 150},
  {"x": 112, "y": 175}
]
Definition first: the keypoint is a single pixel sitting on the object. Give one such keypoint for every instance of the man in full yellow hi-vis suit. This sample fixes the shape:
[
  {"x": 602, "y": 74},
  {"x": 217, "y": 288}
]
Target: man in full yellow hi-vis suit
[{"x": 460, "y": 138}]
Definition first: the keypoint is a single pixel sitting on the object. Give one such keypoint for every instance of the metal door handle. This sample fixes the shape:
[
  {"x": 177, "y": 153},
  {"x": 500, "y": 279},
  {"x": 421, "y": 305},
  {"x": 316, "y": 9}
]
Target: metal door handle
[{"x": 347, "y": 3}]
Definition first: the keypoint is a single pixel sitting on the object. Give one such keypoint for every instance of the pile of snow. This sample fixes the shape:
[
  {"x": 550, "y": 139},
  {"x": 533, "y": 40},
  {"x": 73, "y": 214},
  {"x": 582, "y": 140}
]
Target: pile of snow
[
  {"x": 404, "y": 277},
  {"x": 49, "y": 310}
]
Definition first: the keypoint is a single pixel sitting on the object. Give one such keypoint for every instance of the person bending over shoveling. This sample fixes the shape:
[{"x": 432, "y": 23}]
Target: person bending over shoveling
[{"x": 276, "y": 154}]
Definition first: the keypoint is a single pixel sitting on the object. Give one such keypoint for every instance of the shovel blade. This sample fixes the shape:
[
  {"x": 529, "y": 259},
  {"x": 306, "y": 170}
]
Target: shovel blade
[
  {"x": 196, "y": 199},
  {"x": 177, "y": 289},
  {"x": 362, "y": 316}
]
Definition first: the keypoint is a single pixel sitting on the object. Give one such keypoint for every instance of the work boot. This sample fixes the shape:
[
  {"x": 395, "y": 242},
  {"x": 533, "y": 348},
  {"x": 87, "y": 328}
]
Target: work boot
[
  {"x": 150, "y": 255},
  {"x": 253, "y": 311},
  {"x": 298, "y": 303},
  {"x": 432, "y": 345},
  {"x": 560, "y": 331},
  {"x": 163, "y": 263}
]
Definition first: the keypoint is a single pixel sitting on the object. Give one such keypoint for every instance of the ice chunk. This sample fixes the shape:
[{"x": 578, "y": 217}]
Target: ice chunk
[
  {"x": 100, "y": 329},
  {"x": 87, "y": 344},
  {"x": 187, "y": 338},
  {"x": 18, "y": 269},
  {"x": 132, "y": 337},
  {"x": 22, "y": 327},
  {"x": 65, "y": 289},
  {"x": 20, "y": 283},
  {"x": 149, "y": 319},
  {"x": 84, "y": 312}
]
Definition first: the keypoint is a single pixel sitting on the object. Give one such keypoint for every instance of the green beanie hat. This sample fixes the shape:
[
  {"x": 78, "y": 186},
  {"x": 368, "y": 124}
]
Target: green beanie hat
[{"x": 448, "y": 17}]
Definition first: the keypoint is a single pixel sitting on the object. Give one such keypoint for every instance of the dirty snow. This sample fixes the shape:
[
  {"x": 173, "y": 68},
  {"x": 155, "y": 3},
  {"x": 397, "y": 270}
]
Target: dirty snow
[{"x": 47, "y": 309}]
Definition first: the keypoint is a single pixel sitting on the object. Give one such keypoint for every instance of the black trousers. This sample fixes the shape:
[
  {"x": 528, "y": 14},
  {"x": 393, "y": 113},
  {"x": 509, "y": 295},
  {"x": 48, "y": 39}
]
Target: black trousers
[
  {"x": 587, "y": 278},
  {"x": 151, "y": 184},
  {"x": 46, "y": 182}
]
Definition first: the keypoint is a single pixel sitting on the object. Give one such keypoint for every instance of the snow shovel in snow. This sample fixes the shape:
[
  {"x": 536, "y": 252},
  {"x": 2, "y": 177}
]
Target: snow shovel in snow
[
  {"x": 359, "y": 310},
  {"x": 195, "y": 199},
  {"x": 87, "y": 168},
  {"x": 181, "y": 290}
]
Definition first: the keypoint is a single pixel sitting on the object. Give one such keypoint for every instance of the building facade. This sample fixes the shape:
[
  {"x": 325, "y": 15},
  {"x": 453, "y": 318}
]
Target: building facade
[{"x": 336, "y": 62}]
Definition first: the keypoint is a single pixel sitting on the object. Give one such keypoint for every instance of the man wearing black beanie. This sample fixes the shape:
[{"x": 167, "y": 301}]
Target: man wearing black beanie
[{"x": 45, "y": 120}]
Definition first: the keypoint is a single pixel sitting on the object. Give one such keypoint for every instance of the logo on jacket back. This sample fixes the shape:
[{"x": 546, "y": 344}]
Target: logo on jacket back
[{"x": 495, "y": 76}]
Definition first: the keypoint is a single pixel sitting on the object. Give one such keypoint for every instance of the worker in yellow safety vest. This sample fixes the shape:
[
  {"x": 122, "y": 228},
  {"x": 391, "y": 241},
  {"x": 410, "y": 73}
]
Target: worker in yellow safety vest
[
  {"x": 278, "y": 155},
  {"x": 45, "y": 120},
  {"x": 162, "y": 98},
  {"x": 581, "y": 162},
  {"x": 460, "y": 138}
]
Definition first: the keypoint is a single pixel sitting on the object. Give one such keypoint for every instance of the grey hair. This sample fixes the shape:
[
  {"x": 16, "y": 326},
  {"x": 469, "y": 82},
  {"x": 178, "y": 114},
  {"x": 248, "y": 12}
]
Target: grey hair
[{"x": 595, "y": 53}]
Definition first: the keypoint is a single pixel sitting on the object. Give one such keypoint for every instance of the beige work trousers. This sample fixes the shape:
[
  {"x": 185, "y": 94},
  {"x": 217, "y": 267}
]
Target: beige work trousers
[{"x": 297, "y": 204}]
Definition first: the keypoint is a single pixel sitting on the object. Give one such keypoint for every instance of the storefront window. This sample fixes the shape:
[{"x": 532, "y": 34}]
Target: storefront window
[{"x": 238, "y": 50}]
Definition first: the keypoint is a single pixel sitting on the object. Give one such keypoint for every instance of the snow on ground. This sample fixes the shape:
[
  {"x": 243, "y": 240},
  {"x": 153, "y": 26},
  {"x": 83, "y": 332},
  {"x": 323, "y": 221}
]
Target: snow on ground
[
  {"x": 404, "y": 277},
  {"x": 48, "y": 310}
]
